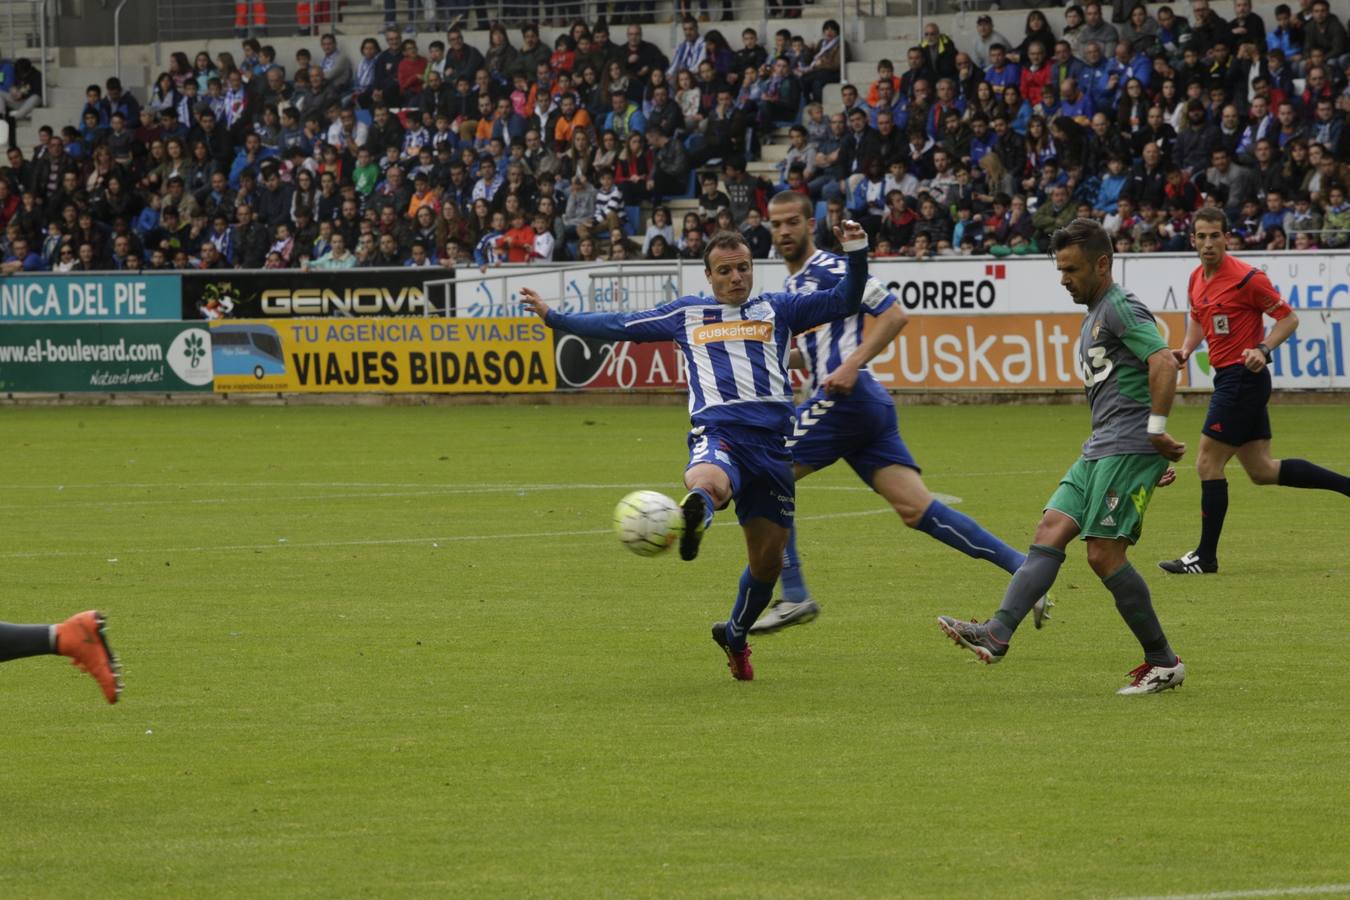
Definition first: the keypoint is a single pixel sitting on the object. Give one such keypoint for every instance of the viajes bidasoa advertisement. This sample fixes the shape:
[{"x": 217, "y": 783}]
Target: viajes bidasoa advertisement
[{"x": 383, "y": 355}]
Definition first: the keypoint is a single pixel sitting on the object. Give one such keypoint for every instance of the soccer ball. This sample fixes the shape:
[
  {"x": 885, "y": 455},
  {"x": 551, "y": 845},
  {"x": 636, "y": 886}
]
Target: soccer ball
[{"x": 648, "y": 522}]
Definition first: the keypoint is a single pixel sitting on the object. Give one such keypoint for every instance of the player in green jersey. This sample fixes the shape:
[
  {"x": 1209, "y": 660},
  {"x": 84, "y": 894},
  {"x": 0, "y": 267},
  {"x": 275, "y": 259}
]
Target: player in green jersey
[{"x": 1131, "y": 379}]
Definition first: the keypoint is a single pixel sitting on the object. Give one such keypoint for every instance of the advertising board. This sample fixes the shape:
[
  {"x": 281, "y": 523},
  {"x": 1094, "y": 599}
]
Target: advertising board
[
  {"x": 113, "y": 357},
  {"x": 384, "y": 355}
]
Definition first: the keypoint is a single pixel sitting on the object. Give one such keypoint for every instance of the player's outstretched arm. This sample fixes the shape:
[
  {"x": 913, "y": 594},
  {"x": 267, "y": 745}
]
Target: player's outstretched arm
[
  {"x": 877, "y": 338},
  {"x": 650, "y": 325},
  {"x": 805, "y": 311},
  {"x": 1162, "y": 390}
]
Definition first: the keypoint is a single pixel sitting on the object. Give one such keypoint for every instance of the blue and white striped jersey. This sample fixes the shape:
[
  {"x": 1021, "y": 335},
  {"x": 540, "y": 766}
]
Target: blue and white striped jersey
[
  {"x": 826, "y": 347},
  {"x": 736, "y": 356}
]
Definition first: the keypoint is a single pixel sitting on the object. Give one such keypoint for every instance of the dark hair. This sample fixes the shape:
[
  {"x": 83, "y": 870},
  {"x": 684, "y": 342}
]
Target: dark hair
[
  {"x": 1210, "y": 214},
  {"x": 1085, "y": 233},
  {"x": 801, "y": 201},
  {"x": 724, "y": 240}
]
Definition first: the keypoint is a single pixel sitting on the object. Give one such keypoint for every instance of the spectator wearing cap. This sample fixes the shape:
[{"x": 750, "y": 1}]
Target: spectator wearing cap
[{"x": 985, "y": 37}]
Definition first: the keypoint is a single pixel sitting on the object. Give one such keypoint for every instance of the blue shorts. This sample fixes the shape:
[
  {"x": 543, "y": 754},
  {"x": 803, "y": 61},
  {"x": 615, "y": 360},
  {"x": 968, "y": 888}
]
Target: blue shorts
[
  {"x": 758, "y": 464},
  {"x": 864, "y": 433},
  {"x": 1237, "y": 411}
]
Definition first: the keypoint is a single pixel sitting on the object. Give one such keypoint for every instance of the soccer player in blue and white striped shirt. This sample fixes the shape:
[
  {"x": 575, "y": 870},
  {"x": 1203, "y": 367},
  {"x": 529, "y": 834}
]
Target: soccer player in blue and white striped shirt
[
  {"x": 850, "y": 416},
  {"x": 736, "y": 349}
]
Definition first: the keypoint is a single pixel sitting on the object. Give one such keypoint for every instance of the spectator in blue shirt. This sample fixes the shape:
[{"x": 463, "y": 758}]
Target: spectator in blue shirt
[
  {"x": 1286, "y": 36},
  {"x": 624, "y": 118},
  {"x": 1074, "y": 103},
  {"x": 1001, "y": 73},
  {"x": 21, "y": 258}
]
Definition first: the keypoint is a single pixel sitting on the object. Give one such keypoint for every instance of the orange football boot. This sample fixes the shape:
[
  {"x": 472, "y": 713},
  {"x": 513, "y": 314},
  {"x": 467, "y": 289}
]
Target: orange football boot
[{"x": 81, "y": 638}]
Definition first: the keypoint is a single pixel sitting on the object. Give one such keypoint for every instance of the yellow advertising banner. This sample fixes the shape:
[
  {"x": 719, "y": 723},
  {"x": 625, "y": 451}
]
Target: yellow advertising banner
[
  {"x": 995, "y": 351},
  {"x": 384, "y": 355}
]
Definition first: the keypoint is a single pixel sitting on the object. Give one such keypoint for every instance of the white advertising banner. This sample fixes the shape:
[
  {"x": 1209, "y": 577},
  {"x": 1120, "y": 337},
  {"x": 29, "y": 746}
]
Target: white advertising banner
[
  {"x": 1314, "y": 357},
  {"x": 959, "y": 286},
  {"x": 1307, "y": 279}
]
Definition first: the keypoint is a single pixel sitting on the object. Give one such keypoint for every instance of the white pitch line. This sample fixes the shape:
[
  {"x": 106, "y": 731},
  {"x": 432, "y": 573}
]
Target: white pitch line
[
  {"x": 427, "y": 491},
  {"x": 370, "y": 542},
  {"x": 1305, "y": 891},
  {"x": 140, "y": 485}
]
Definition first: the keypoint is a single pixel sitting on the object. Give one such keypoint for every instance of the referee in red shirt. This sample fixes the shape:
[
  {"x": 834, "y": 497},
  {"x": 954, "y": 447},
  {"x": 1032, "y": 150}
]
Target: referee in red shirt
[{"x": 1228, "y": 299}]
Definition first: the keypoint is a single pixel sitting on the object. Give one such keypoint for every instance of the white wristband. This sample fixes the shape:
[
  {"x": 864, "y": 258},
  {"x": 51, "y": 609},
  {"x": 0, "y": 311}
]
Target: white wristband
[
  {"x": 1157, "y": 424},
  {"x": 859, "y": 244}
]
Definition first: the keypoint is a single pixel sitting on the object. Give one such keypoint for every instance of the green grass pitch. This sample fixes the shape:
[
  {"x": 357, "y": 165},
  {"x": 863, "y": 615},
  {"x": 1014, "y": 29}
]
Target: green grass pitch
[{"x": 396, "y": 651}]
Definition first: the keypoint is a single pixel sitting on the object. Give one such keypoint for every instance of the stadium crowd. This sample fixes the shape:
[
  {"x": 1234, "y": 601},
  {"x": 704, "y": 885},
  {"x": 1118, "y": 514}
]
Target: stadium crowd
[{"x": 453, "y": 153}]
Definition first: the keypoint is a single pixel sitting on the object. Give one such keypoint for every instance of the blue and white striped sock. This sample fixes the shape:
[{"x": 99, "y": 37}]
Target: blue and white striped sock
[
  {"x": 752, "y": 597},
  {"x": 794, "y": 584}
]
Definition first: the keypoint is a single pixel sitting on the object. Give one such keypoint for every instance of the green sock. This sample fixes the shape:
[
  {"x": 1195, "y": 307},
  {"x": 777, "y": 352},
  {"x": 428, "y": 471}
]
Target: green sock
[
  {"x": 1029, "y": 584},
  {"x": 1136, "y": 607}
]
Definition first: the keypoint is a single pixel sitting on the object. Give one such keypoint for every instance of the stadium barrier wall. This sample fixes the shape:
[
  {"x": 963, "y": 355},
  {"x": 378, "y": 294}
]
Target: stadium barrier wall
[
  {"x": 420, "y": 355},
  {"x": 111, "y": 357},
  {"x": 940, "y": 286},
  {"x": 977, "y": 328},
  {"x": 88, "y": 297}
]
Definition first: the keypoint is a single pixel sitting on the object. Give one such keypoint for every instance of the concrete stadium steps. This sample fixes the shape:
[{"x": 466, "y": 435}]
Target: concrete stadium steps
[{"x": 65, "y": 94}]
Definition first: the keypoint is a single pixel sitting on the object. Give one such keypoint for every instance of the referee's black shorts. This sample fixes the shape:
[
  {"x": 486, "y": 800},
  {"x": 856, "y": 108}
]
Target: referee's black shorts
[{"x": 1237, "y": 411}]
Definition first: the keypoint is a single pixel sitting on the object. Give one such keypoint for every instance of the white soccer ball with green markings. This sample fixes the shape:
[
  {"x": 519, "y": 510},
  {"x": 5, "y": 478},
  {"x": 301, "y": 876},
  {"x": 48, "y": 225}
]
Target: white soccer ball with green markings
[{"x": 648, "y": 522}]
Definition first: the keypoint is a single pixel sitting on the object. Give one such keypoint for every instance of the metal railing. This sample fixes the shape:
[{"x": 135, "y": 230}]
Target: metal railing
[
  {"x": 27, "y": 27},
  {"x": 117, "y": 37},
  {"x": 188, "y": 19},
  {"x": 580, "y": 287}
]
